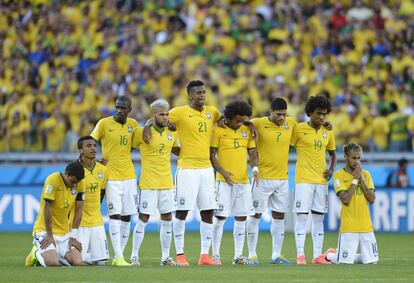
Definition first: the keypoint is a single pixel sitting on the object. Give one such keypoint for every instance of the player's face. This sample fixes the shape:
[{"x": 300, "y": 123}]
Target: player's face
[
  {"x": 198, "y": 95},
  {"x": 161, "y": 118},
  {"x": 353, "y": 159},
  {"x": 318, "y": 117},
  {"x": 278, "y": 116},
  {"x": 236, "y": 121},
  {"x": 71, "y": 181},
  {"x": 88, "y": 149},
  {"x": 122, "y": 108}
]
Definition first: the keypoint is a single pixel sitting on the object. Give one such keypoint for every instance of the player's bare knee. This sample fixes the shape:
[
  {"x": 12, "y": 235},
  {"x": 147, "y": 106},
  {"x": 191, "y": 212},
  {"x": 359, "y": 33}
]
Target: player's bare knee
[
  {"x": 221, "y": 217},
  {"x": 257, "y": 216},
  {"x": 317, "y": 212},
  {"x": 207, "y": 216},
  {"x": 126, "y": 218},
  {"x": 240, "y": 218},
  {"x": 144, "y": 217},
  {"x": 278, "y": 215},
  {"x": 166, "y": 216},
  {"x": 115, "y": 216},
  {"x": 74, "y": 257},
  {"x": 181, "y": 214}
]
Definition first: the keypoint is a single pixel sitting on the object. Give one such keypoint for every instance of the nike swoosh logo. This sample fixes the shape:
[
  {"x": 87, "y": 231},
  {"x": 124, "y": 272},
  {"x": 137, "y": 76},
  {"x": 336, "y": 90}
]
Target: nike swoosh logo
[
  {"x": 251, "y": 233},
  {"x": 124, "y": 236},
  {"x": 189, "y": 115},
  {"x": 300, "y": 234},
  {"x": 241, "y": 234},
  {"x": 168, "y": 232},
  {"x": 208, "y": 238},
  {"x": 347, "y": 180},
  {"x": 304, "y": 134},
  {"x": 139, "y": 232},
  {"x": 320, "y": 234},
  {"x": 179, "y": 235},
  {"x": 111, "y": 130},
  {"x": 268, "y": 127},
  {"x": 115, "y": 233}
]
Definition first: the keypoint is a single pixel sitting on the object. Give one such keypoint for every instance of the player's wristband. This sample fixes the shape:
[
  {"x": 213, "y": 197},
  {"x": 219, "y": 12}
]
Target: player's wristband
[
  {"x": 73, "y": 233},
  {"x": 354, "y": 182},
  {"x": 255, "y": 169}
]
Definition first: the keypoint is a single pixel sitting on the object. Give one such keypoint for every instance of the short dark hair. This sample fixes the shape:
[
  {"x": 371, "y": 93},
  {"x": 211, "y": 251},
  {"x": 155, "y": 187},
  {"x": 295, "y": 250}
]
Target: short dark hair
[
  {"x": 278, "y": 104},
  {"x": 193, "y": 84},
  {"x": 316, "y": 102},
  {"x": 75, "y": 168},
  {"x": 124, "y": 98},
  {"x": 238, "y": 107},
  {"x": 82, "y": 139}
]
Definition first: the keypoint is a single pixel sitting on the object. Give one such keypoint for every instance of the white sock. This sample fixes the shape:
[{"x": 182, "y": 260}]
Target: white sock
[
  {"x": 239, "y": 233},
  {"x": 40, "y": 258},
  {"x": 115, "y": 235},
  {"x": 138, "y": 237},
  {"x": 165, "y": 238},
  {"x": 125, "y": 231},
  {"x": 277, "y": 229},
  {"x": 179, "y": 231},
  {"x": 300, "y": 233},
  {"x": 206, "y": 234},
  {"x": 317, "y": 234},
  {"x": 217, "y": 235},
  {"x": 86, "y": 257},
  {"x": 252, "y": 228},
  {"x": 332, "y": 257}
]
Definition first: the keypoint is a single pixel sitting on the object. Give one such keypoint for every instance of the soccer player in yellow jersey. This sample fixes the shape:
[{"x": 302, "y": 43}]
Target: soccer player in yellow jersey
[
  {"x": 229, "y": 149},
  {"x": 156, "y": 182},
  {"x": 195, "y": 174},
  {"x": 312, "y": 141},
  {"x": 272, "y": 190},
  {"x": 355, "y": 189},
  {"x": 54, "y": 242},
  {"x": 117, "y": 134},
  {"x": 92, "y": 231}
]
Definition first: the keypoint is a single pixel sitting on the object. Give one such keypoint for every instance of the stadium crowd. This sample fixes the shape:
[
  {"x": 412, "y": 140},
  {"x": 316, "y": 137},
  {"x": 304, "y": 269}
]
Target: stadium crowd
[{"x": 63, "y": 63}]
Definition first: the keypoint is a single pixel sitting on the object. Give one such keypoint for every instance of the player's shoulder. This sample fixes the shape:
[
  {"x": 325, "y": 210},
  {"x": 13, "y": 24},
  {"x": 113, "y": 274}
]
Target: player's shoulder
[
  {"x": 53, "y": 178},
  {"x": 179, "y": 109},
  {"x": 259, "y": 120},
  {"x": 338, "y": 173},
  {"x": 101, "y": 167},
  {"x": 132, "y": 122},
  {"x": 366, "y": 173},
  {"x": 210, "y": 108},
  {"x": 290, "y": 121}
]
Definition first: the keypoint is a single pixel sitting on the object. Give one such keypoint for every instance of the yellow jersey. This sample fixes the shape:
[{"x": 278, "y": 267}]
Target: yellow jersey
[
  {"x": 155, "y": 160},
  {"x": 273, "y": 147},
  {"x": 95, "y": 181},
  {"x": 355, "y": 217},
  {"x": 62, "y": 201},
  {"x": 194, "y": 133},
  {"x": 232, "y": 148},
  {"x": 117, "y": 141},
  {"x": 311, "y": 146}
]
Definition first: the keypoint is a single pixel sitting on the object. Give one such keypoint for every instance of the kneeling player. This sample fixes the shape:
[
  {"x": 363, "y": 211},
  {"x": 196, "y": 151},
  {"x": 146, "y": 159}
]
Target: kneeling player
[
  {"x": 53, "y": 243},
  {"x": 156, "y": 182},
  {"x": 356, "y": 190},
  {"x": 92, "y": 231},
  {"x": 228, "y": 154}
]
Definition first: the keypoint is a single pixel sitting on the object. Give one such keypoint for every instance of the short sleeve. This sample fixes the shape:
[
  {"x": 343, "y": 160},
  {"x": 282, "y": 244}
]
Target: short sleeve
[
  {"x": 255, "y": 122},
  {"x": 173, "y": 115},
  {"x": 97, "y": 132},
  {"x": 368, "y": 181},
  {"x": 137, "y": 137},
  {"x": 81, "y": 187},
  {"x": 176, "y": 141},
  {"x": 251, "y": 143},
  {"x": 338, "y": 183},
  {"x": 215, "y": 137},
  {"x": 217, "y": 114},
  {"x": 331, "y": 143},
  {"x": 294, "y": 137},
  {"x": 49, "y": 190}
]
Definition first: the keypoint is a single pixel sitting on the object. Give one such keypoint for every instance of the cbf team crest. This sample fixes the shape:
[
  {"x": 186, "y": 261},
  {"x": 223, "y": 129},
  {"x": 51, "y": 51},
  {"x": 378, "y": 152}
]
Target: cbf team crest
[
  {"x": 130, "y": 129},
  {"x": 324, "y": 135},
  {"x": 286, "y": 126},
  {"x": 244, "y": 134},
  {"x": 100, "y": 175},
  {"x": 169, "y": 137},
  {"x": 208, "y": 115}
]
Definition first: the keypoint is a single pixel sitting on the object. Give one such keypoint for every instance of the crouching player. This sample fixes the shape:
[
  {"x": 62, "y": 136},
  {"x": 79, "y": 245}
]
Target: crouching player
[
  {"x": 53, "y": 243},
  {"x": 92, "y": 231},
  {"x": 228, "y": 154},
  {"x": 356, "y": 190},
  {"x": 156, "y": 182}
]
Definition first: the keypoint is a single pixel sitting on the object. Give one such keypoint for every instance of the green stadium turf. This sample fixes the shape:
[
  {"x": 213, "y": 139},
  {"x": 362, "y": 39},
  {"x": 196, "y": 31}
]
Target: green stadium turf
[{"x": 396, "y": 264}]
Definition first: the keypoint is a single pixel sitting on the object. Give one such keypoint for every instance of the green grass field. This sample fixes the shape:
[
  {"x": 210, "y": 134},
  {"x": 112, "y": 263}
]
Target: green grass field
[{"x": 396, "y": 264}]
